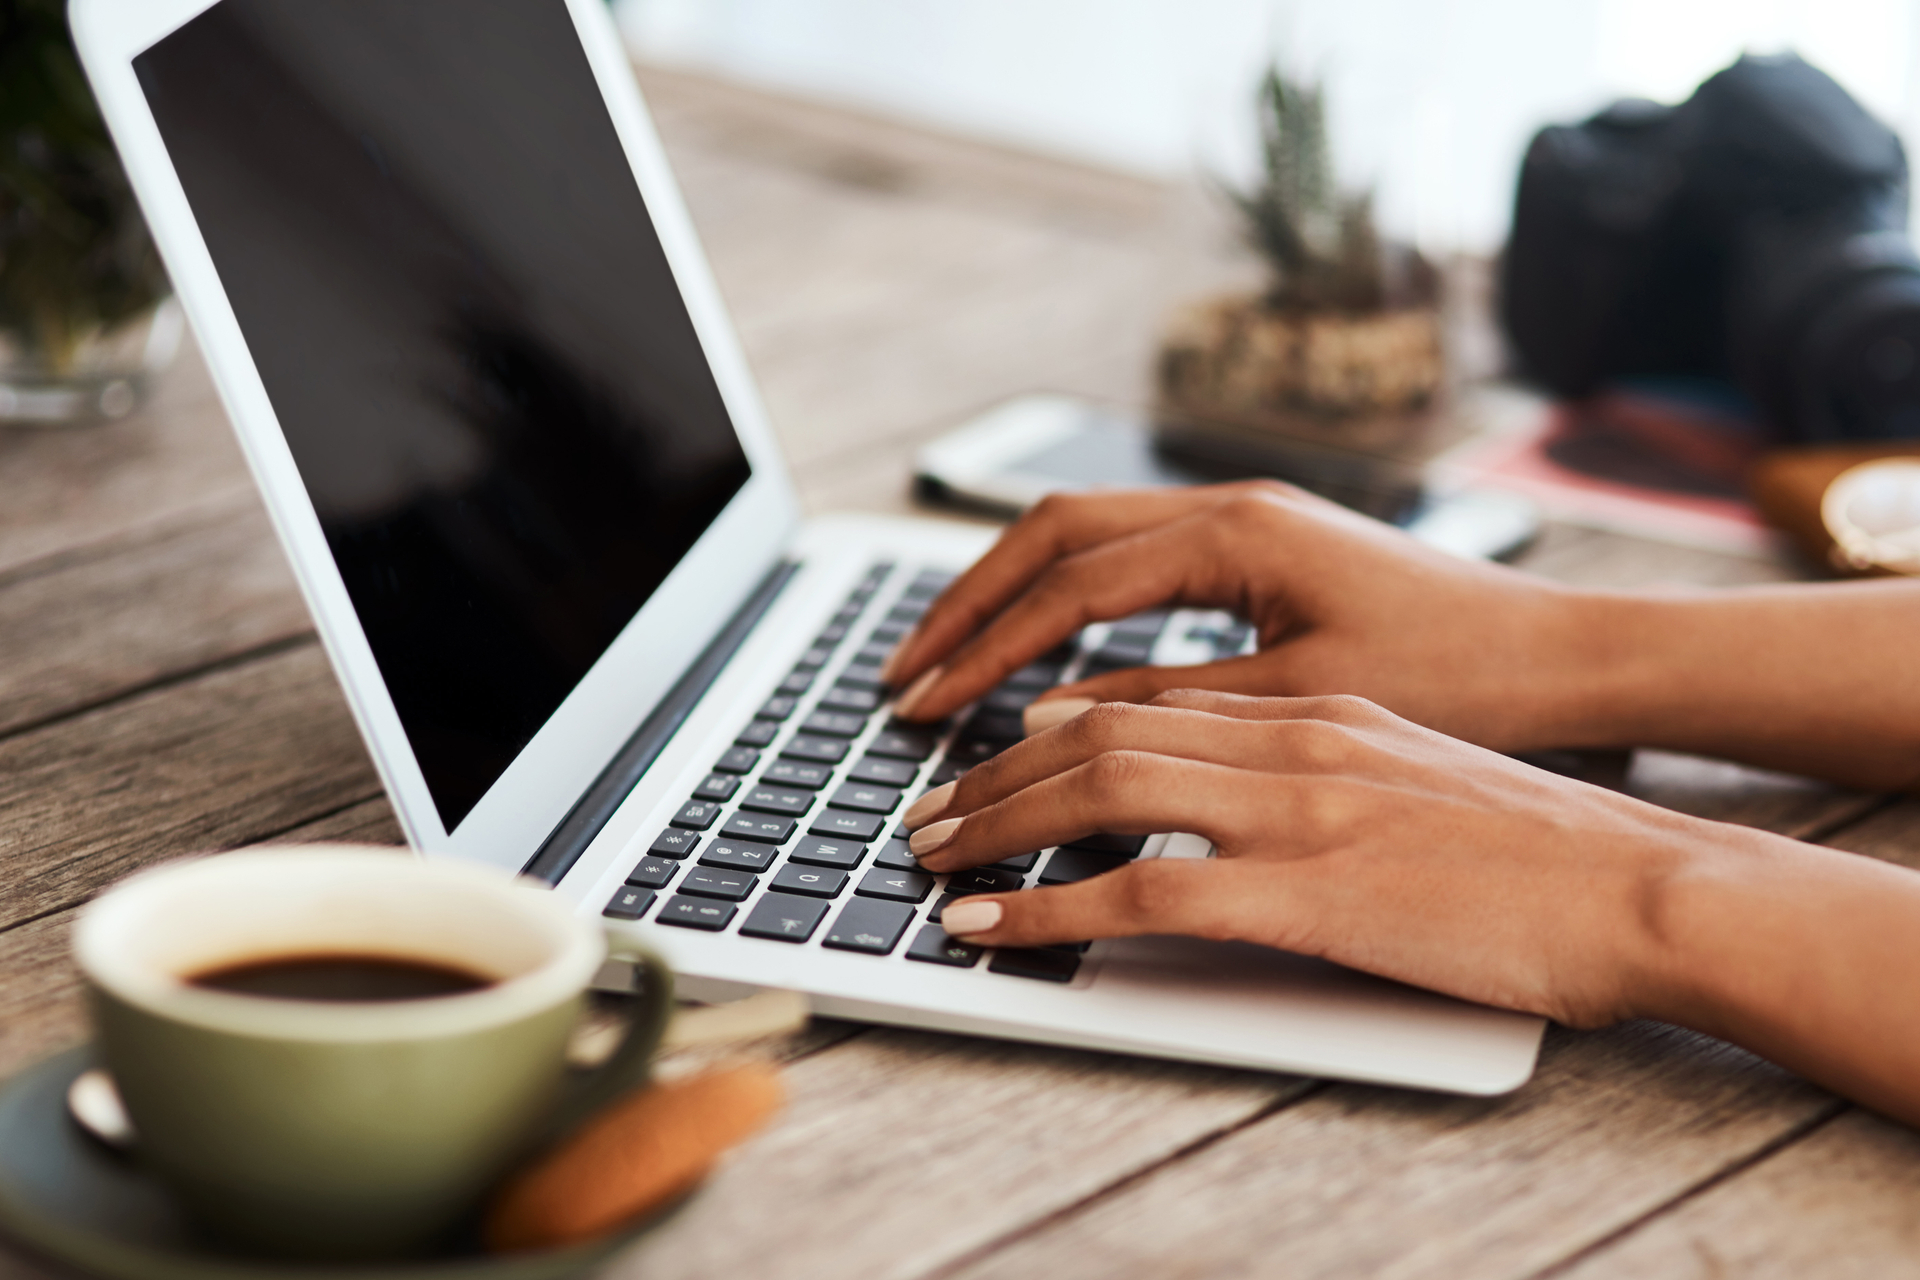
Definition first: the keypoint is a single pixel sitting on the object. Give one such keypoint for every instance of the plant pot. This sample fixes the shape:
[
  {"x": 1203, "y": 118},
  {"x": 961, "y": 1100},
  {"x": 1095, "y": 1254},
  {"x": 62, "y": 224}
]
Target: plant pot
[
  {"x": 1371, "y": 381},
  {"x": 105, "y": 374}
]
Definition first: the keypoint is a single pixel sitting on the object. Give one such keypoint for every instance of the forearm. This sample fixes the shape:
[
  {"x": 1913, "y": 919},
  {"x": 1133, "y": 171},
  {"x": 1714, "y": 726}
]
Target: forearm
[
  {"x": 1808, "y": 957},
  {"x": 1822, "y": 680}
]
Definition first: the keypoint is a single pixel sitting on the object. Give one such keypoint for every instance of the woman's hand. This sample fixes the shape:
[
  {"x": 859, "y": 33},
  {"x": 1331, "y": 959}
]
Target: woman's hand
[
  {"x": 1347, "y": 833},
  {"x": 1342, "y": 603},
  {"x": 1343, "y": 832}
]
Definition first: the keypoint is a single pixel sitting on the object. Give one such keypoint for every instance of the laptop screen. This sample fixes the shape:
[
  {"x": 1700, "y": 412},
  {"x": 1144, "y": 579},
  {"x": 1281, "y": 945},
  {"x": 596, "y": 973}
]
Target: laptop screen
[{"x": 448, "y": 280}]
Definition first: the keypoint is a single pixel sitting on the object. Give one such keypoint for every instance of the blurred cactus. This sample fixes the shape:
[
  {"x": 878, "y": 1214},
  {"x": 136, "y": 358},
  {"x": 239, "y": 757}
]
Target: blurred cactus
[
  {"x": 1321, "y": 244},
  {"x": 75, "y": 258}
]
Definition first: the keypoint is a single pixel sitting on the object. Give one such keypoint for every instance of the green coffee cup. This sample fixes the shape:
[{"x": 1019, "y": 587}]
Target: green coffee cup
[{"x": 358, "y": 1129}]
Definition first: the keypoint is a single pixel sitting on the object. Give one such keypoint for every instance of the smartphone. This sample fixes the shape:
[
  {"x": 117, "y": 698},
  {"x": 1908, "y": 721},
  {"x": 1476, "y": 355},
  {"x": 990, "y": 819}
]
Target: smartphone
[{"x": 1023, "y": 449}]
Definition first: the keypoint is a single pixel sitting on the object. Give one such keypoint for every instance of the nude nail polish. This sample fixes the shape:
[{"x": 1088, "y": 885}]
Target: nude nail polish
[
  {"x": 929, "y": 804},
  {"x": 1041, "y": 716},
  {"x": 905, "y": 704},
  {"x": 963, "y": 918},
  {"x": 891, "y": 667},
  {"x": 934, "y": 838}
]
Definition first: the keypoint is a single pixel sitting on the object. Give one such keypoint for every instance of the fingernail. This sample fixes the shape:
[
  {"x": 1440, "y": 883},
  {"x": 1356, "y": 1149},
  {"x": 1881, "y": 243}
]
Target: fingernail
[
  {"x": 934, "y": 838},
  {"x": 927, "y": 805},
  {"x": 1040, "y": 716},
  {"x": 904, "y": 705},
  {"x": 891, "y": 667},
  {"x": 963, "y": 918}
]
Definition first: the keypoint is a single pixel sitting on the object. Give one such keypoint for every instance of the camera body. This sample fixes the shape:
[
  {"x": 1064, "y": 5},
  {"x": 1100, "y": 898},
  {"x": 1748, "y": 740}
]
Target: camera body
[{"x": 1755, "y": 233}]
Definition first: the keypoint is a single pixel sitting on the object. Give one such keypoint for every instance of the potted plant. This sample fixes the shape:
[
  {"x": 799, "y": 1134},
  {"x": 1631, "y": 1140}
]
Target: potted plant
[
  {"x": 85, "y": 317},
  {"x": 1345, "y": 342}
]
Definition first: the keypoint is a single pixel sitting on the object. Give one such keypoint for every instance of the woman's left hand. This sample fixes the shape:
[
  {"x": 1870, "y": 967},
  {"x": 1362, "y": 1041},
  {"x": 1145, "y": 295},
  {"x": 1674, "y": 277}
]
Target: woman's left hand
[{"x": 1342, "y": 832}]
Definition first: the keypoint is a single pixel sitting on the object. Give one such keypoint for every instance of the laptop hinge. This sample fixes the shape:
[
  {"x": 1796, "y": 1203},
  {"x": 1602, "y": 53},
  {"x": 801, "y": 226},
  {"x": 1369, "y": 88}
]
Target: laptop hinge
[{"x": 597, "y": 804}]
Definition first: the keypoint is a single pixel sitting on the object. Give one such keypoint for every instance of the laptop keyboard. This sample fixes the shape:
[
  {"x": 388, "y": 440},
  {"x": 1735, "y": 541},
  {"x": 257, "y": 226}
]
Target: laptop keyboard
[{"x": 795, "y": 836}]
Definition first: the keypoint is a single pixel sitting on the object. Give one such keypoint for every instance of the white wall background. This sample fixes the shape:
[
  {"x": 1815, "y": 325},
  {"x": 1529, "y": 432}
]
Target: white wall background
[{"x": 1432, "y": 100}]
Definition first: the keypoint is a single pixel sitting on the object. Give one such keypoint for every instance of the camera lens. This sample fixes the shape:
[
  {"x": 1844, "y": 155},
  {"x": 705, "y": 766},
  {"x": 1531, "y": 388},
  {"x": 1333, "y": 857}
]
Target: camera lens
[{"x": 1855, "y": 373}]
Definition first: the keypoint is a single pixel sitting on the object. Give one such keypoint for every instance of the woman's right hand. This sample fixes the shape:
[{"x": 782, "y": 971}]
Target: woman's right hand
[{"x": 1342, "y": 604}]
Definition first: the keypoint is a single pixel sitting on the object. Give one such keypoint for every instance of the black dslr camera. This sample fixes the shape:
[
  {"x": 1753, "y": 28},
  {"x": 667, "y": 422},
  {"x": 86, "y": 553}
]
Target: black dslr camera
[{"x": 1755, "y": 233}]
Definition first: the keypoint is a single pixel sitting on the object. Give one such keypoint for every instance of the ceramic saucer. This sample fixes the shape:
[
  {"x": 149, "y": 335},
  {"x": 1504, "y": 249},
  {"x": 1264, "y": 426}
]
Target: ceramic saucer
[{"x": 64, "y": 1195}]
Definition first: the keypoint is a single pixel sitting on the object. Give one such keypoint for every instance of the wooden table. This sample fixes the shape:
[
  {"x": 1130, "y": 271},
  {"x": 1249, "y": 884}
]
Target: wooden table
[{"x": 162, "y": 692}]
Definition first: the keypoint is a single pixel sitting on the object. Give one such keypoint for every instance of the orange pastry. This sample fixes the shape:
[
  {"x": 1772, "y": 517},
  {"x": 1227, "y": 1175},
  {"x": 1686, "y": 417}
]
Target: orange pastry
[{"x": 651, "y": 1146}]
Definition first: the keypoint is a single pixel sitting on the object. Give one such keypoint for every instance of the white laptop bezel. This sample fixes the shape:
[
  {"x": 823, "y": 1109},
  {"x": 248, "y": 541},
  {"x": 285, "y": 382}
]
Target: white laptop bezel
[{"x": 509, "y": 823}]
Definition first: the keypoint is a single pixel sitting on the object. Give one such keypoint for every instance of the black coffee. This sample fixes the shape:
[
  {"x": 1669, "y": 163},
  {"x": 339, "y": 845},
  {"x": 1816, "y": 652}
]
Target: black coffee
[{"x": 342, "y": 978}]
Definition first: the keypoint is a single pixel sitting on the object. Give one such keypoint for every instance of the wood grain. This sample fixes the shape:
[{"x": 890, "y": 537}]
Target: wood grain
[
  {"x": 230, "y": 758},
  {"x": 1841, "y": 1204},
  {"x": 92, "y": 623},
  {"x": 1358, "y": 1181},
  {"x": 904, "y": 1151}
]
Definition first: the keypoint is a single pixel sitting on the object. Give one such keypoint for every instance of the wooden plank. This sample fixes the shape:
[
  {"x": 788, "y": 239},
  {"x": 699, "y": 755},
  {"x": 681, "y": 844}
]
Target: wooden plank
[
  {"x": 1358, "y": 1181},
  {"x": 227, "y": 759},
  {"x": 88, "y": 625},
  {"x": 368, "y": 822},
  {"x": 1839, "y": 1203},
  {"x": 902, "y": 1152},
  {"x": 67, "y": 488}
]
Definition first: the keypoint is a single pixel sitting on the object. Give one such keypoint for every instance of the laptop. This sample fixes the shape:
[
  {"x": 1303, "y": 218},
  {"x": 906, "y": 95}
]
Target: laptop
[{"x": 459, "y": 318}]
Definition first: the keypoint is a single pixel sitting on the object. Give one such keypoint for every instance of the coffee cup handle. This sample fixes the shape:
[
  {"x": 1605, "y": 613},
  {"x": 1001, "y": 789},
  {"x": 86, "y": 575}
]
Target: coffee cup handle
[{"x": 631, "y": 1063}]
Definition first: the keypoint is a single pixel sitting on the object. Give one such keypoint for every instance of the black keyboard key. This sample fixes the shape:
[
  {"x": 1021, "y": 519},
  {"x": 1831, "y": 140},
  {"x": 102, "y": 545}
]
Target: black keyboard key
[
  {"x": 939, "y": 905},
  {"x": 1042, "y": 963},
  {"x": 1122, "y": 653},
  {"x": 887, "y": 773},
  {"x": 737, "y": 760},
  {"x": 796, "y": 683},
  {"x": 848, "y": 825},
  {"x": 907, "y": 612},
  {"x": 652, "y": 873},
  {"x": 778, "y": 800},
  {"x": 758, "y": 734},
  {"x": 739, "y": 855},
  {"x": 834, "y": 724},
  {"x": 674, "y": 844},
  {"x": 890, "y": 633},
  {"x": 1104, "y": 842},
  {"x": 630, "y": 903},
  {"x": 1035, "y": 676},
  {"x": 862, "y": 677},
  {"x": 1141, "y": 626},
  {"x": 896, "y": 856},
  {"x": 1008, "y": 701},
  {"x": 874, "y": 653},
  {"x": 717, "y": 786},
  {"x": 778, "y": 707},
  {"x": 813, "y": 882},
  {"x": 812, "y": 660},
  {"x": 696, "y": 815},
  {"x": 895, "y": 886},
  {"x": 975, "y": 751},
  {"x": 819, "y": 750},
  {"x": 983, "y": 880},
  {"x": 797, "y": 773},
  {"x": 993, "y": 726},
  {"x": 1070, "y": 866},
  {"x": 866, "y": 797},
  {"x": 758, "y": 826},
  {"x": 934, "y": 946},
  {"x": 1021, "y": 862},
  {"x": 845, "y": 698},
  {"x": 783, "y": 917},
  {"x": 867, "y": 925},
  {"x": 1077, "y": 948},
  {"x": 902, "y": 742},
  {"x": 832, "y": 636},
  {"x": 696, "y": 913},
  {"x": 946, "y": 771},
  {"x": 728, "y": 886},
  {"x": 844, "y": 854}
]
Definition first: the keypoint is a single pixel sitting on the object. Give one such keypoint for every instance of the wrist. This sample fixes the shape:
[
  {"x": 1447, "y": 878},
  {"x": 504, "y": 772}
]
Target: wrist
[{"x": 1606, "y": 668}]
